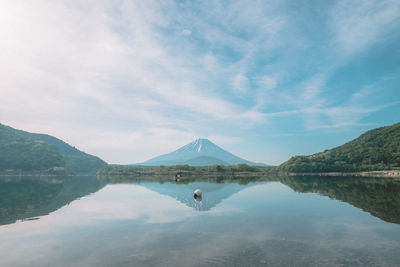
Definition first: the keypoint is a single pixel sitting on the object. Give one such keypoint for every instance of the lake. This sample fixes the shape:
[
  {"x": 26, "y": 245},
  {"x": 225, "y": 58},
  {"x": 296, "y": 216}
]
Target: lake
[{"x": 269, "y": 221}]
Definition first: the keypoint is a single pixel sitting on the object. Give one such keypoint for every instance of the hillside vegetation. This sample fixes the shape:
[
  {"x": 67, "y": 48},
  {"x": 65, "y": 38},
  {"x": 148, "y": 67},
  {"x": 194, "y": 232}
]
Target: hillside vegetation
[
  {"x": 377, "y": 149},
  {"x": 19, "y": 152},
  {"x": 186, "y": 171},
  {"x": 75, "y": 160},
  {"x": 26, "y": 151}
]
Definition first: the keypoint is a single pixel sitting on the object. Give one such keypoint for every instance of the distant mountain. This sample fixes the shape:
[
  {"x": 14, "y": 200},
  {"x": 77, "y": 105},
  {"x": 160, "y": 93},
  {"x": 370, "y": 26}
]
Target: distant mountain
[
  {"x": 200, "y": 152},
  {"x": 18, "y": 152},
  {"x": 72, "y": 158},
  {"x": 377, "y": 149}
]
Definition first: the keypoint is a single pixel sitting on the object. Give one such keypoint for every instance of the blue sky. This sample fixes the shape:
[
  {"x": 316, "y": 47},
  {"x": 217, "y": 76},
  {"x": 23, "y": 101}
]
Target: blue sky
[{"x": 266, "y": 80}]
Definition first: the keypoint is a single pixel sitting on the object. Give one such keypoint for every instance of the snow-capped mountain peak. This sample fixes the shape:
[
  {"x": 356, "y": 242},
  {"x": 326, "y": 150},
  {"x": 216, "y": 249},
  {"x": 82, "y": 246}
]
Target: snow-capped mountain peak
[
  {"x": 199, "y": 145},
  {"x": 200, "y": 152}
]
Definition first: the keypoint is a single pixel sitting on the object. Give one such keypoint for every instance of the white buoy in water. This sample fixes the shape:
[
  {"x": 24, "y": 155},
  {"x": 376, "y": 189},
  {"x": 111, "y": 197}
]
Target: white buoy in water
[{"x": 197, "y": 194}]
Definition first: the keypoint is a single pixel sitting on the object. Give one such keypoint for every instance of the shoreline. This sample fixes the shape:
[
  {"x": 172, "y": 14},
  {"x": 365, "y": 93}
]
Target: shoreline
[
  {"x": 384, "y": 173},
  {"x": 190, "y": 174}
]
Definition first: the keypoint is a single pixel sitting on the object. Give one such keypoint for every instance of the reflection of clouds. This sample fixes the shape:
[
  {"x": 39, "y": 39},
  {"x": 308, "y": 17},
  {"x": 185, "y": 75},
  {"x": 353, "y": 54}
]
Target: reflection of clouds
[
  {"x": 265, "y": 221},
  {"x": 114, "y": 202},
  {"x": 224, "y": 210},
  {"x": 42, "y": 239},
  {"x": 39, "y": 239},
  {"x": 122, "y": 202}
]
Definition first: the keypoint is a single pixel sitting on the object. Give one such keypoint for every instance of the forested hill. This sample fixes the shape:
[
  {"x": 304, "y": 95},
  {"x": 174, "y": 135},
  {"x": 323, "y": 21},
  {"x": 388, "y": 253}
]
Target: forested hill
[
  {"x": 75, "y": 160},
  {"x": 377, "y": 149},
  {"x": 18, "y": 152}
]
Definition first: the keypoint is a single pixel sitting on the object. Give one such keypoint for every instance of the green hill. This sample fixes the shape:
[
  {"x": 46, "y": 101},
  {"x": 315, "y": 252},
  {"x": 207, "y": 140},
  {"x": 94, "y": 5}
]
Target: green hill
[
  {"x": 18, "y": 152},
  {"x": 377, "y": 149},
  {"x": 75, "y": 160}
]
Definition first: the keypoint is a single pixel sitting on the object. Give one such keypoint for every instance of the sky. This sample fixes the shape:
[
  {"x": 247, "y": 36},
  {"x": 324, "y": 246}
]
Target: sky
[{"x": 265, "y": 80}]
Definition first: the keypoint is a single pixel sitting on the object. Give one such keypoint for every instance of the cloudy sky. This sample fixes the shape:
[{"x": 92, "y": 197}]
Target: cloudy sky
[{"x": 266, "y": 80}]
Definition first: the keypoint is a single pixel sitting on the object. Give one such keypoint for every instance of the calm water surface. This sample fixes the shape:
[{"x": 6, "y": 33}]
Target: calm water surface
[{"x": 288, "y": 221}]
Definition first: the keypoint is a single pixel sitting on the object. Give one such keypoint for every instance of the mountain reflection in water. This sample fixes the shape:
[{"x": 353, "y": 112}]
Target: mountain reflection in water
[
  {"x": 27, "y": 197},
  {"x": 213, "y": 193},
  {"x": 273, "y": 221},
  {"x": 378, "y": 196},
  {"x": 31, "y": 197}
]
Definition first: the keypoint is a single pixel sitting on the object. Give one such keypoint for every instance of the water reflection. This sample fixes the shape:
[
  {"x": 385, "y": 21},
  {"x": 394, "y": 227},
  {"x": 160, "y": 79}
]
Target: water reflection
[
  {"x": 213, "y": 193},
  {"x": 378, "y": 196},
  {"x": 22, "y": 198},
  {"x": 31, "y": 197},
  {"x": 256, "y": 222}
]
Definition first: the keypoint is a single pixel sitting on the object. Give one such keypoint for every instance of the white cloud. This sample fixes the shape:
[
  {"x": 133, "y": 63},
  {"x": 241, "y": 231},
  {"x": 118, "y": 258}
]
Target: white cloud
[
  {"x": 311, "y": 90},
  {"x": 268, "y": 82},
  {"x": 358, "y": 24},
  {"x": 186, "y": 32},
  {"x": 317, "y": 112},
  {"x": 240, "y": 84},
  {"x": 265, "y": 94}
]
